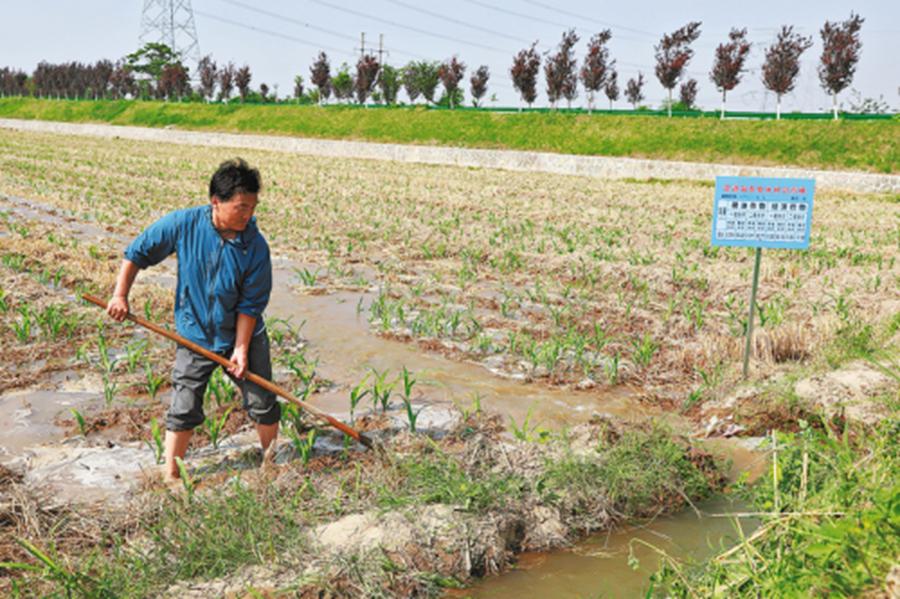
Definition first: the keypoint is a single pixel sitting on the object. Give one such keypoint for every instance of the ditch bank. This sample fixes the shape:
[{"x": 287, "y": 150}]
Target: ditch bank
[{"x": 601, "y": 167}]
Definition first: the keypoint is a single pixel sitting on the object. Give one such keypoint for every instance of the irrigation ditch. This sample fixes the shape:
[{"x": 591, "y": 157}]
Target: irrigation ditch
[{"x": 495, "y": 456}]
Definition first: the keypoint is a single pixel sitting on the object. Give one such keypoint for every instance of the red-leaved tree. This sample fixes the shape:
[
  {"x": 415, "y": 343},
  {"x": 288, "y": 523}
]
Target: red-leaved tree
[
  {"x": 782, "y": 63},
  {"x": 687, "y": 93},
  {"x": 242, "y": 79},
  {"x": 226, "y": 82},
  {"x": 320, "y": 75},
  {"x": 560, "y": 71},
  {"x": 367, "y": 68},
  {"x": 208, "y": 72},
  {"x": 840, "y": 53},
  {"x": 634, "y": 90},
  {"x": 672, "y": 55},
  {"x": 478, "y": 83},
  {"x": 451, "y": 73},
  {"x": 729, "y": 64},
  {"x": 596, "y": 67},
  {"x": 524, "y": 71},
  {"x": 611, "y": 87}
]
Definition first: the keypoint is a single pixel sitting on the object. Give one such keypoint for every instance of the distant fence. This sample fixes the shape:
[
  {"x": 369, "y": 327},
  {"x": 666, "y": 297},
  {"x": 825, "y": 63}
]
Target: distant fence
[
  {"x": 712, "y": 114},
  {"x": 729, "y": 114}
]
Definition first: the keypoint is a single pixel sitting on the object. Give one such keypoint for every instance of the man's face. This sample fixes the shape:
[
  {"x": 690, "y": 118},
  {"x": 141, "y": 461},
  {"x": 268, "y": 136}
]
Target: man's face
[{"x": 234, "y": 214}]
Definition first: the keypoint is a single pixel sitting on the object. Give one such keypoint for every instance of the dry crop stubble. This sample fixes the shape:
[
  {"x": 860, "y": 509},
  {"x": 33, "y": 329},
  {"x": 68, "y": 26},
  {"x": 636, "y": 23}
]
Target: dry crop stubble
[{"x": 516, "y": 265}]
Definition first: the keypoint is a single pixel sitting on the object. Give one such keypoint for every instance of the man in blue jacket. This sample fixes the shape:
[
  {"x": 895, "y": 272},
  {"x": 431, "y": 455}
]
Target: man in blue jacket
[{"x": 224, "y": 283}]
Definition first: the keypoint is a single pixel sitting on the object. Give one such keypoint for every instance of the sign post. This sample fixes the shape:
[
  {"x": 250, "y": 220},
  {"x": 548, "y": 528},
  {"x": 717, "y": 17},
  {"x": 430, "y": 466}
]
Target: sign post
[{"x": 761, "y": 212}]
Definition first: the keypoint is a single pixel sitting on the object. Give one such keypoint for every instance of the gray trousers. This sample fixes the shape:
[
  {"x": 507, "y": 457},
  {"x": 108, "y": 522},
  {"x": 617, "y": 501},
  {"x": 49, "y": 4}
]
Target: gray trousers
[{"x": 191, "y": 375}]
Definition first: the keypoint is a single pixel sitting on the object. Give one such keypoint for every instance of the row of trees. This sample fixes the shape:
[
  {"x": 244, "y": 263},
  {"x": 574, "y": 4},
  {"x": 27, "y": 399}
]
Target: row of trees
[
  {"x": 155, "y": 71},
  {"x": 840, "y": 54}
]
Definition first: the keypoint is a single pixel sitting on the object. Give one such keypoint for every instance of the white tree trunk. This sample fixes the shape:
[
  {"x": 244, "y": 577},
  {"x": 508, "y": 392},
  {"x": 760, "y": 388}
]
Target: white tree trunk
[
  {"x": 590, "y": 101},
  {"x": 778, "y": 108},
  {"x": 722, "y": 116},
  {"x": 670, "y": 102},
  {"x": 834, "y": 104}
]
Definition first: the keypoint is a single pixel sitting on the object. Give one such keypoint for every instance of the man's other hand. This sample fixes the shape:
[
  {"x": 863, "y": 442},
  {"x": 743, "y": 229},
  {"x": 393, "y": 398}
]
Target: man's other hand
[
  {"x": 117, "y": 308},
  {"x": 239, "y": 361}
]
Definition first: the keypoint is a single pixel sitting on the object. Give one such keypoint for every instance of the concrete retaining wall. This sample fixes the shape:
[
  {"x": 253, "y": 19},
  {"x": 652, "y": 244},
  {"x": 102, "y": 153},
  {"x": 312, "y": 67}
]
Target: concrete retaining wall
[{"x": 565, "y": 164}]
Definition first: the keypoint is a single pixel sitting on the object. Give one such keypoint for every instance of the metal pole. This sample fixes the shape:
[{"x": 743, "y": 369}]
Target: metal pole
[{"x": 752, "y": 307}]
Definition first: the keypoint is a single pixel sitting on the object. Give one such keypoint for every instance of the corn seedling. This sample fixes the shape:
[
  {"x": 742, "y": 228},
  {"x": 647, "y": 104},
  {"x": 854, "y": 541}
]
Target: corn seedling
[
  {"x": 22, "y": 327},
  {"x": 408, "y": 382},
  {"x": 306, "y": 276},
  {"x": 158, "y": 445},
  {"x": 304, "y": 444},
  {"x": 643, "y": 350},
  {"x": 79, "y": 419},
  {"x": 133, "y": 353},
  {"x": 411, "y": 415},
  {"x": 357, "y": 393},
  {"x": 528, "y": 432},
  {"x": 214, "y": 427},
  {"x": 612, "y": 369},
  {"x": 381, "y": 390},
  {"x": 186, "y": 479},
  {"x": 109, "y": 389},
  {"x": 152, "y": 381}
]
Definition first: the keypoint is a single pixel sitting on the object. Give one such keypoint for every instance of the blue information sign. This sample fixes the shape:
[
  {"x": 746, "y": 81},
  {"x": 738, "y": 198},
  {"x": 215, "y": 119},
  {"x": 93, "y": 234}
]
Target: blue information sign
[{"x": 763, "y": 212}]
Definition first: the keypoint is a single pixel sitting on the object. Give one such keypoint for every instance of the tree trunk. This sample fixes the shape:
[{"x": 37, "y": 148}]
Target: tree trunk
[
  {"x": 670, "y": 102},
  {"x": 834, "y": 104},
  {"x": 722, "y": 116},
  {"x": 590, "y": 101},
  {"x": 778, "y": 108},
  {"x": 610, "y": 104}
]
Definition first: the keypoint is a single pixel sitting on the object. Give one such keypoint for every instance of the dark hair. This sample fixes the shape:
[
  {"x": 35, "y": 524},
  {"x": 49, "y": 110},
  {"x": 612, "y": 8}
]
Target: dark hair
[{"x": 234, "y": 176}]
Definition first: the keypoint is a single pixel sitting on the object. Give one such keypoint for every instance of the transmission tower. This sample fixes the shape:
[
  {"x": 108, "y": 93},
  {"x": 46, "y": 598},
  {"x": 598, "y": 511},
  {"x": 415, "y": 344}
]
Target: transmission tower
[{"x": 171, "y": 22}]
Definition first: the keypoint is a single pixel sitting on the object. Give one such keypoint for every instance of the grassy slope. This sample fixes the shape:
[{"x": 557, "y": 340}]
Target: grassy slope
[{"x": 866, "y": 145}]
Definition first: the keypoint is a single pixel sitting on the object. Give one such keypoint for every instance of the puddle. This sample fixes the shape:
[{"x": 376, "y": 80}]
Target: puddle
[
  {"x": 599, "y": 566},
  {"x": 27, "y": 418}
]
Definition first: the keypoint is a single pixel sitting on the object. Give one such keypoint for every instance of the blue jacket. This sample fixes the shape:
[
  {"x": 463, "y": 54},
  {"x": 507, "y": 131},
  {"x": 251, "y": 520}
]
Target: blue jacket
[{"x": 217, "y": 278}]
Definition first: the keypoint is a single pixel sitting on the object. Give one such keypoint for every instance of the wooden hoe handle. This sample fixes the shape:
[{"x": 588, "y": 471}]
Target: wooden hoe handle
[{"x": 254, "y": 378}]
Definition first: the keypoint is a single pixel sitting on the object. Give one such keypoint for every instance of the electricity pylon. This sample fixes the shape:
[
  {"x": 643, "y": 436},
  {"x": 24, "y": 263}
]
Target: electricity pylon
[{"x": 171, "y": 22}]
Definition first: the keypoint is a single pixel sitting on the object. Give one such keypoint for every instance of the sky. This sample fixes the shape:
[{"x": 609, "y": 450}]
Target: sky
[{"x": 279, "y": 39}]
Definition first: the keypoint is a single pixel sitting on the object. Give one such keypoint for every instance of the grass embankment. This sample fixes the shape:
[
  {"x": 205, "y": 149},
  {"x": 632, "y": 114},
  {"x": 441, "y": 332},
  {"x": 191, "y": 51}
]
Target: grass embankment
[
  {"x": 439, "y": 513},
  {"x": 846, "y": 145},
  {"x": 830, "y": 511}
]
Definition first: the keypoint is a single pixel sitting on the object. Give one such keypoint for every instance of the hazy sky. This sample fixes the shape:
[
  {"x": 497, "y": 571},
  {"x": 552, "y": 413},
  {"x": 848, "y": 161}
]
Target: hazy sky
[{"x": 280, "y": 38}]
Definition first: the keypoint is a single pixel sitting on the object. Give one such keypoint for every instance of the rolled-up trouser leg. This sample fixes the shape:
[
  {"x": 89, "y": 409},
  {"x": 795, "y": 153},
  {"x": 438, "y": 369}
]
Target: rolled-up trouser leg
[
  {"x": 189, "y": 378},
  {"x": 261, "y": 405}
]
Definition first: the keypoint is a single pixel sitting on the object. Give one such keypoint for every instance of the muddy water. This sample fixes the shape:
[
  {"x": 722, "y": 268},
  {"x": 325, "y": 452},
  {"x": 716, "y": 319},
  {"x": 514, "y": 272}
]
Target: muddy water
[
  {"x": 27, "y": 418},
  {"x": 599, "y": 566},
  {"x": 337, "y": 329}
]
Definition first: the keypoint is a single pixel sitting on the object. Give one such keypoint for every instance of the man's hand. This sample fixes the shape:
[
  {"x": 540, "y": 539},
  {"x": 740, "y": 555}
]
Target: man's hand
[
  {"x": 117, "y": 308},
  {"x": 239, "y": 359}
]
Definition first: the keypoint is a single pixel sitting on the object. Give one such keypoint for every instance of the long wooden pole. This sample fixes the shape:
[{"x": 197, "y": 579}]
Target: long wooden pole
[
  {"x": 748, "y": 345},
  {"x": 254, "y": 378}
]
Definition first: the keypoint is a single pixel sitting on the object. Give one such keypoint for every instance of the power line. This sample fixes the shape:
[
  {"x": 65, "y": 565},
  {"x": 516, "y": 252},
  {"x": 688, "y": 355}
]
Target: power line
[
  {"x": 407, "y": 27},
  {"x": 282, "y": 17},
  {"x": 273, "y": 33},
  {"x": 578, "y": 16},
  {"x": 545, "y": 21},
  {"x": 457, "y": 21}
]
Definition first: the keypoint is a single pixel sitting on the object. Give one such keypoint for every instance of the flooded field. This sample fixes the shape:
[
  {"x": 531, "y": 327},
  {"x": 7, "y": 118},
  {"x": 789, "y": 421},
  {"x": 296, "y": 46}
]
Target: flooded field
[{"x": 591, "y": 320}]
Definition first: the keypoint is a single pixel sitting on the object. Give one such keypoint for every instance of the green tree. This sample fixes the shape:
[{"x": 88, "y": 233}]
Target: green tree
[{"x": 151, "y": 61}]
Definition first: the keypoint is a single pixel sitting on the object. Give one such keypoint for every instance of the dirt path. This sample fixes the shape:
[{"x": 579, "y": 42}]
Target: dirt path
[{"x": 591, "y": 166}]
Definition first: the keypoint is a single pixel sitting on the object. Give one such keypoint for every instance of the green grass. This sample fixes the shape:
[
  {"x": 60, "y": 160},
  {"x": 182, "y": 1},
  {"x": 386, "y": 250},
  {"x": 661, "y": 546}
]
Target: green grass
[{"x": 854, "y": 145}]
